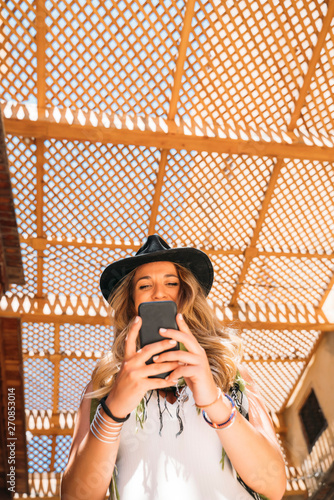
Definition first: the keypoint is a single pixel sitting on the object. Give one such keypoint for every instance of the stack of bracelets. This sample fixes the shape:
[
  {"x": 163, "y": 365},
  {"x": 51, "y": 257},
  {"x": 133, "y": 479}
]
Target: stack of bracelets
[
  {"x": 104, "y": 430},
  {"x": 229, "y": 421}
]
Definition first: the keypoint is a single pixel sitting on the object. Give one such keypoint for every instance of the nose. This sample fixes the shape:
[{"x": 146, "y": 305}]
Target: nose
[{"x": 158, "y": 292}]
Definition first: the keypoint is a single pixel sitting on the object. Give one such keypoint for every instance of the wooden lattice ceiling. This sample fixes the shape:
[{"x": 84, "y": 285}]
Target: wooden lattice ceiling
[{"x": 211, "y": 123}]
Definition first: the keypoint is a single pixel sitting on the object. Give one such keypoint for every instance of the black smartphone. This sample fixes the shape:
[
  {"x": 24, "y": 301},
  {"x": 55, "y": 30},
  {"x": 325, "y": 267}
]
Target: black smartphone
[{"x": 155, "y": 315}]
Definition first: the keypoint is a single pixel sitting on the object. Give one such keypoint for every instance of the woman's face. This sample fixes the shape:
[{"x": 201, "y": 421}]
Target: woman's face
[{"x": 155, "y": 281}]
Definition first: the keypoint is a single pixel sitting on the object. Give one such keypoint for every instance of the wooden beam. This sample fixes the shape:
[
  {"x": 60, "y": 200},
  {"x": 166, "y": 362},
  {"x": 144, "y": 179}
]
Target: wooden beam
[
  {"x": 300, "y": 255},
  {"x": 78, "y": 309},
  {"x": 194, "y": 126},
  {"x": 157, "y": 191},
  {"x": 172, "y": 108},
  {"x": 161, "y": 139},
  {"x": 39, "y": 185},
  {"x": 57, "y": 356},
  {"x": 298, "y": 492},
  {"x": 37, "y": 243},
  {"x": 74, "y": 319},
  {"x": 312, "y": 64},
  {"x": 189, "y": 13},
  {"x": 40, "y": 53},
  {"x": 251, "y": 251},
  {"x": 41, "y": 497},
  {"x": 39, "y": 211},
  {"x": 55, "y": 399},
  {"x": 325, "y": 295}
]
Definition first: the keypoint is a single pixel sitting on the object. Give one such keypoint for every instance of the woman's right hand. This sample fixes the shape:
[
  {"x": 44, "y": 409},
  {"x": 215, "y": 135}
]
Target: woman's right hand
[{"x": 132, "y": 380}]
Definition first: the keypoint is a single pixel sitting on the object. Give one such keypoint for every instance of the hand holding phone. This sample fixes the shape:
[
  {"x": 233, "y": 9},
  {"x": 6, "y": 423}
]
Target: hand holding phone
[{"x": 156, "y": 315}]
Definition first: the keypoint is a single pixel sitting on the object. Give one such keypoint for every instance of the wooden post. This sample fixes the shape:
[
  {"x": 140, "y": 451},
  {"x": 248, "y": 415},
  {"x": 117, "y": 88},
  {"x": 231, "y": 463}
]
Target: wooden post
[
  {"x": 41, "y": 45},
  {"x": 40, "y": 244}
]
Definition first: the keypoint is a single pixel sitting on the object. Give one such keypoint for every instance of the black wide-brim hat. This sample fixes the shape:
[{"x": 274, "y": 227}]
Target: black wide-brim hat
[{"x": 155, "y": 249}]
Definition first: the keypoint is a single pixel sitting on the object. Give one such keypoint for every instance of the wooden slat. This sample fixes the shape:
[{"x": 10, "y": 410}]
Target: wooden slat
[
  {"x": 165, "y": 140},
  {"x": 312, "y": 64},
  {"x": 189, "y": 12},
  {"x": 42, "y": 243},
  {"x": 39, "y": 211},
  {"x": 56, "y": 357},
  {"x": 251, "y": 251},
  {"x": 327, "y": 292},
  {"x": 172, "y": 107},
  {"x": 41, "y": 47},
  {"x": 157, "y": 190},
  {"x": 72, "y": 309}
]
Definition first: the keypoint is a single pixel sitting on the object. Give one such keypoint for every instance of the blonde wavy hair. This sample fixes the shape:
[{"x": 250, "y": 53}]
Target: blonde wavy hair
[{"x": 222, "y": 346}]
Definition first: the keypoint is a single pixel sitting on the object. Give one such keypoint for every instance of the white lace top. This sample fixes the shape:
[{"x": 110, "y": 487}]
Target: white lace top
[{"x": 166, "y": 467}]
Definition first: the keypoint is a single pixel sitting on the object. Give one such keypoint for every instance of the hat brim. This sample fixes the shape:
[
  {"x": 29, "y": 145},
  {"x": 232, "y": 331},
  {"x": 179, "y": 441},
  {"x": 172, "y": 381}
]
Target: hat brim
[{"x": 191, "y": 258}]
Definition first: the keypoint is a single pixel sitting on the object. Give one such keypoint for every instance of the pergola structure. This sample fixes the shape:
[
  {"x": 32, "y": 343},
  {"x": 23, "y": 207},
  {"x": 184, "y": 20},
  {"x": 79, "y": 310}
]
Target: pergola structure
[{"x": 208, "y": 122}]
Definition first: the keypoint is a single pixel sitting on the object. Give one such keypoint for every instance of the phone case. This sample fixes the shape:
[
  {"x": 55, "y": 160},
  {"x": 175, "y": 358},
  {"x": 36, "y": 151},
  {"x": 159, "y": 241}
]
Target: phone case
[{"x": 157, "y": 315}]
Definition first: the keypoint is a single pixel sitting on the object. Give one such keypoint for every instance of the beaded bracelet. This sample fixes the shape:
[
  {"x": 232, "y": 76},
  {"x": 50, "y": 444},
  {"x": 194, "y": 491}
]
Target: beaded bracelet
[
  {"x": 101, "y": 424},
  {"x": 228, "y": 422},
  {"x": 110, "y": 415}
]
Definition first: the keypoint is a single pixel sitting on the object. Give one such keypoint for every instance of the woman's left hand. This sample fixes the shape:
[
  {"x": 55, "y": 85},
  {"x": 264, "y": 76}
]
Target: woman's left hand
[{"x": 194, "y": 365}]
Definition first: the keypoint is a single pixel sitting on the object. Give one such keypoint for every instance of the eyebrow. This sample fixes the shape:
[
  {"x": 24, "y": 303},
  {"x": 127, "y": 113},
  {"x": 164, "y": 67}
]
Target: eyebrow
[{"x": 150, "y": 277}]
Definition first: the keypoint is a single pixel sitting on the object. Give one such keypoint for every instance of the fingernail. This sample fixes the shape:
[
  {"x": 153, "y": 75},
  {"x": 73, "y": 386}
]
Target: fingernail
[
  {"x": 162, "y": 330},
  {"x": 180, "y": 316},
  {"x": 155, "y": 358},
  {"x": 180, "y": 363},
  {"x": 167, "y": 378},
  {"x": 136, "y": 319},
  {"x": 172, "y": 342},
  {"x": 126, "y": 338}
]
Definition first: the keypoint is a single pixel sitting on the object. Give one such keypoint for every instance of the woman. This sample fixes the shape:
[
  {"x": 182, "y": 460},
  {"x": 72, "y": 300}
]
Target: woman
[{"x": 168, "y": 437}]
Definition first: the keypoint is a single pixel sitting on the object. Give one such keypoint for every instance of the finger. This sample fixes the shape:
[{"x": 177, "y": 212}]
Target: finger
[
  {"x": 184, "y": 357},
  {"x": 183, "y": 327},
  {"x": 187, "y": 339},
  {"x": 158, "y": 368},
  {"x": 131, "y": 340},
  {"x": 145, "y": 353},
  {"x": 185, "y": 371}
]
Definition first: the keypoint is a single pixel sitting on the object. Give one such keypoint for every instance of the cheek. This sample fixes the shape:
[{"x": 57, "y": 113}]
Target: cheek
[
  {"x": 135, "y": 300},
  {"x": 138, "y": 298}
]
